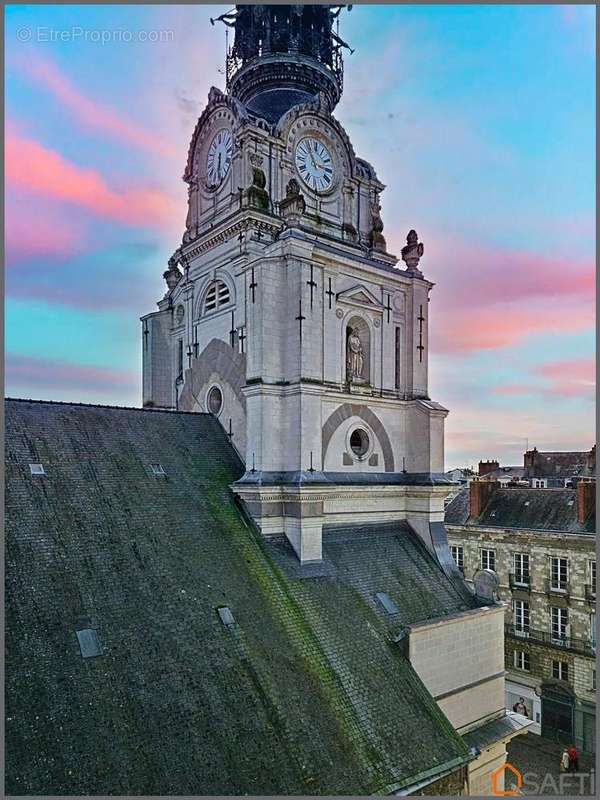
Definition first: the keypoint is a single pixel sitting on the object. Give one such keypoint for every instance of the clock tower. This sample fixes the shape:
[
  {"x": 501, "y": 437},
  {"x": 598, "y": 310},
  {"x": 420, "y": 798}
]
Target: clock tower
[{"x": 285, "y": 315}]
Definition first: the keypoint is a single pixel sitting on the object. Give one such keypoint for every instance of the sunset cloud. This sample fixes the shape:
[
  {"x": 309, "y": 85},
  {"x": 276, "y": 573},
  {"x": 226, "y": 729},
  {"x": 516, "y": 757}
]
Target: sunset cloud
[
  {"x": 35, "y": 168},
  {"x": 491, "y": 326},
  {"x": 567, "y": 378},
  {"x": 88, "y": 111},
  {"x": 49, "y": 235},
  {"x": 47, "y": 374}
]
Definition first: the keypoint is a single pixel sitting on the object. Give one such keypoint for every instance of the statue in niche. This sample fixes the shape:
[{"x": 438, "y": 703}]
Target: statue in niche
[{"x": 354, "y": 357}]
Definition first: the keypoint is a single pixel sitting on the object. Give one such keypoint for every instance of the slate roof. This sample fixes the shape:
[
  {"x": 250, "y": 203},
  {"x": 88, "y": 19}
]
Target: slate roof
[
  {"x": 532, "y": 509},
  {"x": 305, "y": 693},
  {"x": 563, "y": 464},
  {"x": 506, "y": 472}
]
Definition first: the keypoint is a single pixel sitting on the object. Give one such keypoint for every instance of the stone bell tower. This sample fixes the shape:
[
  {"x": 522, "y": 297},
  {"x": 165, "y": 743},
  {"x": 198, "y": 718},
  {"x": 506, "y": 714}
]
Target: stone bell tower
[{"x": 285, "y": 315}]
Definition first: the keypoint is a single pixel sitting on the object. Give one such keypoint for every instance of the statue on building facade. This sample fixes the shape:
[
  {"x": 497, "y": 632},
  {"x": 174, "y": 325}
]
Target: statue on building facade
[
  {"x": 412, "y": 251},
  {"x": 354, "y": 357}
]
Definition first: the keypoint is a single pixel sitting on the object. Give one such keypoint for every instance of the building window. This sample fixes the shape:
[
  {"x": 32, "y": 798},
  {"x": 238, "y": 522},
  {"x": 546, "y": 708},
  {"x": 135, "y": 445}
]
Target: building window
[
  {"x": 558, "y": 573},
  {"x": 560, "y": 670},
  {"x": 594, "y": 679},
  {"x": 217, "y": 296},
  {"x": 488, "y": 559},
  {"x": 559, "y": 620},
  {"x": 521, "y": 617},
  {"x": 521, "y": 660},
  {"x": 593, "y": 630},
  {"x": 458, "y": 555},
  {"x": 359, "y": 442},
  {"x": 180, "y": 358},
  {"x": 397, "y": 360},
  {"x": 592, "y": 575},
  {"x": 521, "y": 566},
  {"x": 214, "y": 400}
]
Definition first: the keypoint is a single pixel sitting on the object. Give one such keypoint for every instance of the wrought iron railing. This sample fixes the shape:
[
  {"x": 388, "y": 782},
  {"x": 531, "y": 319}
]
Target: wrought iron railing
[
  {"x": 584, "y": 646},
  {"x": 233, "y": 63}
]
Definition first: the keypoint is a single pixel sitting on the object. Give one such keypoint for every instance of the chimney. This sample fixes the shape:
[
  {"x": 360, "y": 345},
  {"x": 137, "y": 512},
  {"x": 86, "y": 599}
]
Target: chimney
[
  {"x": 586, "y": 500},
  {"x": 529, "y": 461},
  {"x": 591, "y": 461},
  {"x": 487, "y": 466},
  {"x": 480, "y": 493}
]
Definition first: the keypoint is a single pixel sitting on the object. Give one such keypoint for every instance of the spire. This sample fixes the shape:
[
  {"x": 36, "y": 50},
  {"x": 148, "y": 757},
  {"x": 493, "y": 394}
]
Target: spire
[{"x": 283, "y": 55}]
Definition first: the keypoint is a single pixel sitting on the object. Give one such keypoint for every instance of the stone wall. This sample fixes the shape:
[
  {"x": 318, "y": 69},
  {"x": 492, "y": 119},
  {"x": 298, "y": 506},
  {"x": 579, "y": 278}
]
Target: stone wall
[{"x": 579, "y": 549}]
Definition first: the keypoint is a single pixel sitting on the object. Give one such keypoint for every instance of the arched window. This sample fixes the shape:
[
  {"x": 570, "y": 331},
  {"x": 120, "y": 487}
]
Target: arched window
[{"x": 217, "y": 296}]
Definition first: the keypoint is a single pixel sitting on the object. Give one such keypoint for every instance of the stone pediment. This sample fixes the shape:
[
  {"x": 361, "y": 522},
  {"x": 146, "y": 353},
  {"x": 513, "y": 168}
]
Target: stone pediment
[{"x": 360, "y": 296}]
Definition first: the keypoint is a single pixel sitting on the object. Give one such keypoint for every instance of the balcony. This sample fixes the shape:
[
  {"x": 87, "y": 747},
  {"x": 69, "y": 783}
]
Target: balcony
[
  {"x": 590, "y": 592},
  {"x": 519, "y": 580},
  {"x": 585, "y": 647}
]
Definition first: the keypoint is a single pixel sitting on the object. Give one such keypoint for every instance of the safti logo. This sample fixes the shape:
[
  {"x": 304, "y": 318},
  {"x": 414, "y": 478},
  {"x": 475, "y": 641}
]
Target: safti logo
[{"x": 497, "y": 781}]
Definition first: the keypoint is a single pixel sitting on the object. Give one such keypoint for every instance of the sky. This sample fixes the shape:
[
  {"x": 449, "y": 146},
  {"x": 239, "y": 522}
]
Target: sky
[{"x": 479, "y": 119}]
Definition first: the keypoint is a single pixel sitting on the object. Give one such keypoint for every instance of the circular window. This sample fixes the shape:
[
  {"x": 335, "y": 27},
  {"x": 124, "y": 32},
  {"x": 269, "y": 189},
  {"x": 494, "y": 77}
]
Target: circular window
[
  {"x": 179, "y": 314},
  {"x": 215, "y": 400},
  {"x": 359, "y": 442}
]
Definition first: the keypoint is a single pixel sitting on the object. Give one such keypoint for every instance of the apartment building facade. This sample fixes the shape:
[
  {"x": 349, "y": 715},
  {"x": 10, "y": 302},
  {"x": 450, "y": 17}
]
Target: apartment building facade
[{"x": 540, "y": 545}]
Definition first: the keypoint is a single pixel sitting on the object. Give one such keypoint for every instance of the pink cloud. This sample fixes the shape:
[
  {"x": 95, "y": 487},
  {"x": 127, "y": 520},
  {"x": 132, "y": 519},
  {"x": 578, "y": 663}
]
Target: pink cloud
[
  {"x": 471, "y": 272},
  {"x": 569, "y": 378},
  {"x": 87, "y": 111},
  {"x": 487, "y": 326},
  {"x": 46, "y": 236},
  {"x": 46, "y": 373},
  {"x": 35, "y": 168},
  {"x": 576, "y": 369},
  {"x": 490, "y": 297}
]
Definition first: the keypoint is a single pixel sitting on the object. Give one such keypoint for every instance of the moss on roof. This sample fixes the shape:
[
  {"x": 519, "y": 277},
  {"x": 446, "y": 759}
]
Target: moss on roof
[{"x": 304, "y": 694}]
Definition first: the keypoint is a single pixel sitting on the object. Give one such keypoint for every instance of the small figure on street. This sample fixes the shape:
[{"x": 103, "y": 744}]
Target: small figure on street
[
  {"x": 520, "y": 707},
  {"x": 565, "y": 761},
  {"x": 573, "y": 758}
]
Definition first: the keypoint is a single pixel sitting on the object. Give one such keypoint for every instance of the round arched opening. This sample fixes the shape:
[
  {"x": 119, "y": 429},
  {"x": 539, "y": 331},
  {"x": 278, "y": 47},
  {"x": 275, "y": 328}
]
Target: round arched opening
[
  {"x": 214, "y": 400},
  {"x": 359, "y": 442}
]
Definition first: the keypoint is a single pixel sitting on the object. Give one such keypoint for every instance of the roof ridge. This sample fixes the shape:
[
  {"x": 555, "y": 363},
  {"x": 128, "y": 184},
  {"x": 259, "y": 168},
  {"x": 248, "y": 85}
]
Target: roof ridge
[{"x": 105, "y": 405}]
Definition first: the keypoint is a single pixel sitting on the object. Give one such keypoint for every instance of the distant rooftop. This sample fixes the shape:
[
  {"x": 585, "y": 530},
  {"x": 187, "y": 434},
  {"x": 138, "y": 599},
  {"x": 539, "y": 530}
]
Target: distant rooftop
[{"x": 523, "y": 508}]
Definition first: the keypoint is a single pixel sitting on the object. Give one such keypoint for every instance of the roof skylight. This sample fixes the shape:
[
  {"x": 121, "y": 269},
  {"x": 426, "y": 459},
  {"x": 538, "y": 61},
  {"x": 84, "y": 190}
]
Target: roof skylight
[
  {"x": 37, "y": 469},
  {"x": 226, "y": 616},
  {"x": 88, "y": 643},
  {"x": 387, "y": 603}
]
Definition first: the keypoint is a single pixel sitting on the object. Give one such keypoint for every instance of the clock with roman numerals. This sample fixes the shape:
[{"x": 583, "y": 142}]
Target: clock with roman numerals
[
  {"x": 219, "y": 157},
  {"x": 314, "y": 164}
]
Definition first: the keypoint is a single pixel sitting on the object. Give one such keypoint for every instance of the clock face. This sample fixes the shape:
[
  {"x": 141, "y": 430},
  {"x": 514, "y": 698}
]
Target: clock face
[
  {"x": 314, "y": 164},
  {"x": 219, "y": 157}
]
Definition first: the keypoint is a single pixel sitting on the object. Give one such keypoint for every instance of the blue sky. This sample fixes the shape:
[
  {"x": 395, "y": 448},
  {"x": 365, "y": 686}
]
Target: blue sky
[{"x": 479, "y": 119}]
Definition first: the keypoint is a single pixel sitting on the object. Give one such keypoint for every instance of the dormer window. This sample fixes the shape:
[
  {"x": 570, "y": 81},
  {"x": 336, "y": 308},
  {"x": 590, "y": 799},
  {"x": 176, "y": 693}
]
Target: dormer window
[{"x": 217, "y": 296}]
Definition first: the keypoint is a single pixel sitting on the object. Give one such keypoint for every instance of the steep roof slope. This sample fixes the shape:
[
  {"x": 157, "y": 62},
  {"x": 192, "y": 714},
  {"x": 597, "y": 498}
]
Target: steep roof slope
[
  {"x": 304, "y": 693},
  {"x": 530, "y": 509}
]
